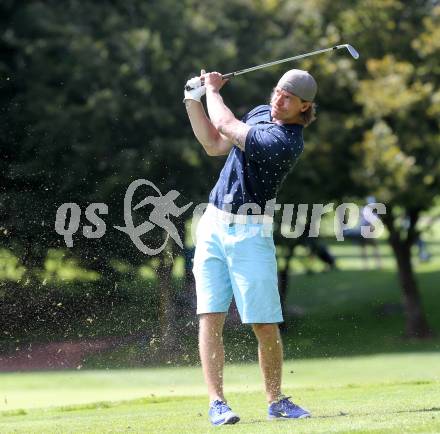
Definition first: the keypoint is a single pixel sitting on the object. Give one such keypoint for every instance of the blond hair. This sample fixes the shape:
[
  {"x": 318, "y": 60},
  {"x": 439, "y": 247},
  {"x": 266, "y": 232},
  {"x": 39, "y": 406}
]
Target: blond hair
[{"x": 309, "y": 115}]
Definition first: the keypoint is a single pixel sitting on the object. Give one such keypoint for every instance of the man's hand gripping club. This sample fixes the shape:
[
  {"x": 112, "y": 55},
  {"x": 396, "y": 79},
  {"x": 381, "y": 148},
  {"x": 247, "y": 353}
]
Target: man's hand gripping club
[{"x": 194, "y": 88}]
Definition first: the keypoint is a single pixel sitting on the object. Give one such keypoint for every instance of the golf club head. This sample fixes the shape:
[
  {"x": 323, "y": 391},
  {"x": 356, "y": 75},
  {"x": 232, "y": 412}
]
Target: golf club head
[{"x": 352, "y": 51}]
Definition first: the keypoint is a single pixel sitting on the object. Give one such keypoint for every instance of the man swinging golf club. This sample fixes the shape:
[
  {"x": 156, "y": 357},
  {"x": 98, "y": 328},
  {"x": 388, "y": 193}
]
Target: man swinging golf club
[{"x": 235, "y": 252}]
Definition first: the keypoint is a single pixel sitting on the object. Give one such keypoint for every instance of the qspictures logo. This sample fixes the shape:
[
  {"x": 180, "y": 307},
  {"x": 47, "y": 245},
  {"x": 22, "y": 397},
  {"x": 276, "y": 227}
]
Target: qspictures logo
[{"x": 348, "y": 218}]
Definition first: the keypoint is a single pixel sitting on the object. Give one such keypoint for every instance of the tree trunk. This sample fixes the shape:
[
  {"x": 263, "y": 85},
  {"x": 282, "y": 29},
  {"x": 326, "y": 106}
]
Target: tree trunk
[
  {"x": 416, "y": 323},
  {"x": 167, "y": 309},
  {"x": 187, "y": 296}
]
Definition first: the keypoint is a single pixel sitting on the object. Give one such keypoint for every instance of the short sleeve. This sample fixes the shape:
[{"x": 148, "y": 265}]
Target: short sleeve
[
  {"x": 267, "y": 145},
  {"x": 257, "y": 112}
]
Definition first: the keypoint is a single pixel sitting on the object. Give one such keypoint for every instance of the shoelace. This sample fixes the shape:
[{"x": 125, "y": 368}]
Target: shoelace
[
  {"x": 286, "y": 403},
  {"x": 221, "y": 406}
]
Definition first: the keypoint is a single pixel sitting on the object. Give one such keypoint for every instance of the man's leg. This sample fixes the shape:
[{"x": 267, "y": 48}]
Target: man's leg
[
  {"x": 270, "y": 354},
  {"x": 212, "y": 353}
]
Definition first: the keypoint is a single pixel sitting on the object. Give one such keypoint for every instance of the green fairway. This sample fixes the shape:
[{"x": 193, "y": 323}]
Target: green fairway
[{"x": 386, "y": 393}]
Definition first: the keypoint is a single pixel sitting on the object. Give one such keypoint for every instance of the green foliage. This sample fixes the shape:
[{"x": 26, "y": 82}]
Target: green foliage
[
  {"x": 58, "y": 268},
  {"x": 10, "y": 268},
  {"x": 91, "y": 99}
]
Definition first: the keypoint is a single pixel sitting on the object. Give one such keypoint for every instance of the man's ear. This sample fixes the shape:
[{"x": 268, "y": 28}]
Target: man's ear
[{"x": 305, "y": 106}]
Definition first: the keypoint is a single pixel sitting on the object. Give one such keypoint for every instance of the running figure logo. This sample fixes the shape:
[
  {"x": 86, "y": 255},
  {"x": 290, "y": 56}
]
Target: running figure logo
[{"x": 164, "y": 206}]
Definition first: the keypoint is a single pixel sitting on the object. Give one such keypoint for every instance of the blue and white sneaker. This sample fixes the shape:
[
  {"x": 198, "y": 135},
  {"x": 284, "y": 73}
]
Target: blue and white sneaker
[
  {"x": 221, "y": 414},
  {"x": 284, "y": 408}
]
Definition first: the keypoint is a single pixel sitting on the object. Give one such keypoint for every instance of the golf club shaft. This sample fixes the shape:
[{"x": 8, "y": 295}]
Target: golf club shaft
[
  {"x": 350, "y": 49},
  {"x": 276, "y": 62}
]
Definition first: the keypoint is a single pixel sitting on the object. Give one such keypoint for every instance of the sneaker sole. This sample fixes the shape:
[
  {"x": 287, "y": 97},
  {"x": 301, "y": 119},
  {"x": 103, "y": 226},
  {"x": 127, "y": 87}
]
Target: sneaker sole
[
  {"x": 304, "y": 416},
  {"x": 231, "y": 421}
]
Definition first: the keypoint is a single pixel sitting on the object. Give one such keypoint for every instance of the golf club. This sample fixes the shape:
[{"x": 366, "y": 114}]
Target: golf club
[{"x": 350, "y": 49}]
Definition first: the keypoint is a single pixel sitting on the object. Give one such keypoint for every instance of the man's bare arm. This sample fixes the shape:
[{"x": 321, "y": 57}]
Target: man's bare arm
[
  {"x": 214, "y": 142},
  {"x": 236, "y": 132},
  {"x": 224, "y": 120}
]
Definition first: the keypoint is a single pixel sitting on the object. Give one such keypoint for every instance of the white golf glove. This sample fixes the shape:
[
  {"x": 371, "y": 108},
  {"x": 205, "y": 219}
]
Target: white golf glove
[{"x": 194, "y": 89}]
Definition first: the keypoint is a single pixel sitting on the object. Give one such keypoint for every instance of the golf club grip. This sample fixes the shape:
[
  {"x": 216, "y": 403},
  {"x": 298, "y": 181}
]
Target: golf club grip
[{"x": 224, "y": 77}]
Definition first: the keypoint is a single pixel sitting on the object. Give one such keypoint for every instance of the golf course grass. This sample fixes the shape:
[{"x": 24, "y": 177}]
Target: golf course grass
[{"x": 380, "y": 394}]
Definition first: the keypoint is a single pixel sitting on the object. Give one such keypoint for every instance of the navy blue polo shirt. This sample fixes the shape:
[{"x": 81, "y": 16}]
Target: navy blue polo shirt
[{"x": 255, "y": 174}]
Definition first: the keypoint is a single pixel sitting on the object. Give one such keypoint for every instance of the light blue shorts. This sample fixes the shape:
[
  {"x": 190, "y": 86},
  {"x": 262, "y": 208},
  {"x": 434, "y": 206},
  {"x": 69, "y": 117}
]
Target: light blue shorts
[{"x": 236, "y": 259}]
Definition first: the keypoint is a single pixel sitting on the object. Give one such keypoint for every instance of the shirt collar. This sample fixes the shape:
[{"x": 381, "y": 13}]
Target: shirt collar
[{"x": 288, "y": 126}]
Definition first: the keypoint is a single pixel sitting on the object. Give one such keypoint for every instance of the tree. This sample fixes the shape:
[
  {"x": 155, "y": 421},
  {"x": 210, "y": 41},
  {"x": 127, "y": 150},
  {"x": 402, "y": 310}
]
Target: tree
[
  {"x": 399, "y": 152},
  {"x": 378, "y": 129}
]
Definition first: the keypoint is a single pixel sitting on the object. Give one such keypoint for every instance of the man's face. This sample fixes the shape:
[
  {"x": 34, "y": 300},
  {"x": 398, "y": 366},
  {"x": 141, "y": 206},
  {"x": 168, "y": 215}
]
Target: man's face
[{"x": 286, "y": 107}]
